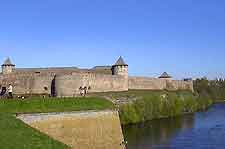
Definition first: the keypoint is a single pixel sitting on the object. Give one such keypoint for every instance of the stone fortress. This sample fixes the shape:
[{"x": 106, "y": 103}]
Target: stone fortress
[{"x": 67, "y": 81}]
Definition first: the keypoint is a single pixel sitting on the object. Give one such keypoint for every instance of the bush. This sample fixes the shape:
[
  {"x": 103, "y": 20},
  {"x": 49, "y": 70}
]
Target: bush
[
  {"x": 155, "y": 105},
  {"x": 213, "y": 88}
]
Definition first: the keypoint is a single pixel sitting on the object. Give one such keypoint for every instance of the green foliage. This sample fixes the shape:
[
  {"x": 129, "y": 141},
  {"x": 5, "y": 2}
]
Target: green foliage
[
  {"x": 130, "y": 114},
  {"x": 158, "y": 104},
  {"x": 36, "y": 104},
  {"x": 17, "y": 135},
  {"x": 213, "y": 88}
]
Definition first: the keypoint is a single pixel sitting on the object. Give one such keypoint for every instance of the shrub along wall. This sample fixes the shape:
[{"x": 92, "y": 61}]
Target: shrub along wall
[{"x": 162, "y": 104}]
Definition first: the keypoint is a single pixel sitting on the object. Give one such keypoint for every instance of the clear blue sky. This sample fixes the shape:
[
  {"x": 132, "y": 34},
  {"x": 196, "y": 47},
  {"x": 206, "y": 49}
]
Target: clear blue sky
[{"x": 183, "y": 37}]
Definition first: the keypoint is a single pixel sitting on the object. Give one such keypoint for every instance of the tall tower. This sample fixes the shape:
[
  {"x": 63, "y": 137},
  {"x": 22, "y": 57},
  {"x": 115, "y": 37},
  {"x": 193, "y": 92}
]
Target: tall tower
[
  {"x": 120, "y": 68},
  {"x": 7, "y": 67}
]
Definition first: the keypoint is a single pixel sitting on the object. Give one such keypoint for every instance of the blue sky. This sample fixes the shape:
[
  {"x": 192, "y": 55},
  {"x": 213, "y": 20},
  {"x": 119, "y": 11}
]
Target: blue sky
[{"x": 185, "y": 38}]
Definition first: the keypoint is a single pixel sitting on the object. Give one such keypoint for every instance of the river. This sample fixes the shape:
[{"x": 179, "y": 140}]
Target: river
[{"x": 202, "y": 130}]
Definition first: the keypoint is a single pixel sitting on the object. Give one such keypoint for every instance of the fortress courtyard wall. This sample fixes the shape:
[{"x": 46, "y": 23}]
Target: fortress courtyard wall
[{"x": 68, "y": 85}]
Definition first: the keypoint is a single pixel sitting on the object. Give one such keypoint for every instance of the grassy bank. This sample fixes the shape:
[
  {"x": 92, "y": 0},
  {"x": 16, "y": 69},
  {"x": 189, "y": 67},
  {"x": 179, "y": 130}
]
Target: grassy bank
[
  {"x": 15, "y": 134},
  {"x": 157, "y": 104},
  {"x": 53, "y": 105}
]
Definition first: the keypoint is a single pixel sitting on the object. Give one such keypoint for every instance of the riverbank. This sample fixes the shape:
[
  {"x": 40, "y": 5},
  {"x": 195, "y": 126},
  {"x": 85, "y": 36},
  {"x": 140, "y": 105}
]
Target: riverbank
[
  {"x": 162, "y": 104},
  {"x": 219, "y": 101},
  {"x": 137, "y": 106},
  {"x": 134, "y": 106},
  {"x": 200, "y": 130}
]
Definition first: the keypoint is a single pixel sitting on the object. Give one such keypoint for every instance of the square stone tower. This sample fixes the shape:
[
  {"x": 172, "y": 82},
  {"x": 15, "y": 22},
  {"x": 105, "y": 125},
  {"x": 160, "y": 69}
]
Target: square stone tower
[
  {"x": 120, "y": 68},
  {"x": 7, "y": 67}
]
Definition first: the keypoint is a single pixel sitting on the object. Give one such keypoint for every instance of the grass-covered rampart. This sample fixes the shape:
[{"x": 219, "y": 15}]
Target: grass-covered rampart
[{"x": 15, "y": 134}]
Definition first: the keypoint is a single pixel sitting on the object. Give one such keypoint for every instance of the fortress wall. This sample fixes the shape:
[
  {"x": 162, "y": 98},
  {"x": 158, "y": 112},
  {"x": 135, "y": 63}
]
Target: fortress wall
[
  {"x": 146, "y": 83},
  {"x": 105, "y": 83},
  {"x": 68, "y": 85},
  {"x": 42, "y": 84},
  {"x": 180, "y": 85},
  {"x": 21, "y": 84},
  {"x": 27, "y": 84},
  {"x": 59, "y": 71},
  {"x": 46, "y": 71}
]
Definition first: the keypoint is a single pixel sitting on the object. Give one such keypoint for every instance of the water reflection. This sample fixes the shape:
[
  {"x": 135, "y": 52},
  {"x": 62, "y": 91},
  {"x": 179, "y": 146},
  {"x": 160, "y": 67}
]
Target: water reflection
[
  {"x": 157, "y": 132},
  {"x": 200, "y": 130}
]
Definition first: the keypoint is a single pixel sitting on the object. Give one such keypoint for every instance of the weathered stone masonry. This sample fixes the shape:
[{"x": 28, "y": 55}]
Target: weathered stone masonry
[
  {"x": 86, "y": 130},
  {"x": 66, "y": 81}
]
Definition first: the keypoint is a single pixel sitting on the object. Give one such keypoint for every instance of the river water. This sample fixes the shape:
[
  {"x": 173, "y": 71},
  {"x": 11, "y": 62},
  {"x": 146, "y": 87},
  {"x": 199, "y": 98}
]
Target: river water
[{"x": 202, "y": 130}]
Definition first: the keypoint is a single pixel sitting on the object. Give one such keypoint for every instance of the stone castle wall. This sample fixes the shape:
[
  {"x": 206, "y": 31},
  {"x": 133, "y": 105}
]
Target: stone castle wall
[
  {"x": 67, "y": 81},
  {"x": 180, "y": 85},
  {"x": 27, "y": 83},
  {"x": 68, "y": 85},
  {"x": 147, "y": 83}
]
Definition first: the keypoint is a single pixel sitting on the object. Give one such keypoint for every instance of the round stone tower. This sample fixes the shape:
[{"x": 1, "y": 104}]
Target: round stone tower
[
  {"x": 7, "y": 67},
  {"x": 120, "y": 68}
]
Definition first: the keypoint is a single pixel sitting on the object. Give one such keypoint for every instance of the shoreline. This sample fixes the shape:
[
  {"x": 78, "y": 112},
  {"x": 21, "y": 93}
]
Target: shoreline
[
  {"x": 164, "y": 104},
  {"x": 171, "y": 117}
]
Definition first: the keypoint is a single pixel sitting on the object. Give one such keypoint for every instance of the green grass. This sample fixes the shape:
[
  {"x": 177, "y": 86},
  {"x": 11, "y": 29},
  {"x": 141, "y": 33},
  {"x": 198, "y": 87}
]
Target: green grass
[
  {"x": 15, "y": 134},
  {"x": 157, "y": 104},
  {"x": 36, "y": 105}
]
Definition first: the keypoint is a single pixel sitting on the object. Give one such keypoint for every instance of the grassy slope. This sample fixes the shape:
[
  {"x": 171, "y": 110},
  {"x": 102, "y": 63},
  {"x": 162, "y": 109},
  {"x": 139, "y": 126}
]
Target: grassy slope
[
  {"x": 15, "y": 134},
  {"x": 156, "y": 104},
  {"x": 53, "y": 105}
]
